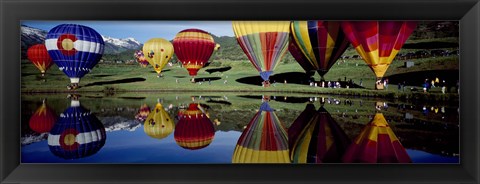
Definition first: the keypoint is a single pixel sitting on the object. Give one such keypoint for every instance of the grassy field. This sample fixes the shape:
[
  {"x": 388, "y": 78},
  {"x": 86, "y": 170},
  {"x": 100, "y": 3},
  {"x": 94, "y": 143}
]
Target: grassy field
[{"x": 112, "y": 78}]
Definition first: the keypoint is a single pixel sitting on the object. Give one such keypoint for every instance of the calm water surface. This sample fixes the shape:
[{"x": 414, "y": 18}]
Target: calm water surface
[{"x": 235, "y": 128}]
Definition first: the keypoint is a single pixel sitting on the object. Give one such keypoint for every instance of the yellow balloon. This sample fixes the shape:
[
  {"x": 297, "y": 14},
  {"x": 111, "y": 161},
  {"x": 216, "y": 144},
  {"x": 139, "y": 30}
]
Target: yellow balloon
[
  {"x": 158, "y": 52},
  {"x": 158, "y": 123}
]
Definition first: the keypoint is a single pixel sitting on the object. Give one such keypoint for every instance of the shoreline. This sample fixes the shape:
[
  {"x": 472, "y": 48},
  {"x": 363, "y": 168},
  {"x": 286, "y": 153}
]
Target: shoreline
[{"x": 407, "y": 95}]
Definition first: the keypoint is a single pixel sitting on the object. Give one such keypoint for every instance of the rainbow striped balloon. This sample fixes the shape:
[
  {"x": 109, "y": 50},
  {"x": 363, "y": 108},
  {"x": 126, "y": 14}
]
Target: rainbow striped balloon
[
  {"x": 264, "y": 140},
  {"x": 376, "y": 144},
  {"x": 264, "y": 43},
  {"x": 378, "y": 42},
  {"x": 315, "y": 137},
  {"x": 317, "y": 45}
]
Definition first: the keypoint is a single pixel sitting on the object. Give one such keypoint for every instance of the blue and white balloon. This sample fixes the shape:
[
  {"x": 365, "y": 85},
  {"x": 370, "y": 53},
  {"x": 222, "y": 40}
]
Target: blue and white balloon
[
  {"x": 76, "y": 134},
  {"x": 76, "y": 49}
]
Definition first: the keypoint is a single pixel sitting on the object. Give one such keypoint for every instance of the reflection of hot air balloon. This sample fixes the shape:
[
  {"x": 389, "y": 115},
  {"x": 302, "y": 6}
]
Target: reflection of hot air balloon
[
  {"x": 193, "y": 48},
  {"x": 315, "y": 137},
  {"x": 264, "y": 140},
  {"x": 264, "y": 43},
  {"x": 76, "y": 49},
  {"x": 317, "y": 45},
  {"x": 143, "y": 113},
  {"x": 378, "y": 42},
  {"x": 140, "y": 58},
  {"x": 194, "y": 129},
  {"x": 43, "y": 119},
  {"x": 77, "y": 134},
  {"x": 158, "y": 123},
  {"x": 376, "y": 144},
  {"x": 38, "y": 55},
  {"x": 158, "y": 52}
]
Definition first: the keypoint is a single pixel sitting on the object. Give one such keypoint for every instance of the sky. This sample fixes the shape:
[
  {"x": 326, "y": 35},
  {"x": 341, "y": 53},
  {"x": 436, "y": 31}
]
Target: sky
[{"x": 142, "y": 30}]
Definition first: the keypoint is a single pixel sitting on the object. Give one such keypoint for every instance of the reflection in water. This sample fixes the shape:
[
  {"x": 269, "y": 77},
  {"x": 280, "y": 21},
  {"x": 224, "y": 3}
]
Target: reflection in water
[
  {"x": 264, "y": 140},
  {"x": 158, "y": 123},
  {"x": 143, "y": 113},
  {"x": 376, "y": 144},
  {"x": 77, "y": 134},
  {"x": 244, "y": 134},
  {"x": 43, "y": 119},
  {"x": 315, "y": 137},
  {"x": 194, "y": 129}
]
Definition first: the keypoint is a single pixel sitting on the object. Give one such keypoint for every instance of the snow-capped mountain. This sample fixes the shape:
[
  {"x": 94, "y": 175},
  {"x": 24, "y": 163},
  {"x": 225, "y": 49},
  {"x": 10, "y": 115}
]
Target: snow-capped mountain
[
  {"x": 116, "y": 45},
  {"x": 129, "y": 43},
  {"x": 116, "y": 123},
  {"x": 31, "y": 36}
]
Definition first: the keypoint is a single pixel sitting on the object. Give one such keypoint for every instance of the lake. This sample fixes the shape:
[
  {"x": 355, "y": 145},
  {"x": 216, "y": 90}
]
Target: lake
[{"x": 207, "y": 127}]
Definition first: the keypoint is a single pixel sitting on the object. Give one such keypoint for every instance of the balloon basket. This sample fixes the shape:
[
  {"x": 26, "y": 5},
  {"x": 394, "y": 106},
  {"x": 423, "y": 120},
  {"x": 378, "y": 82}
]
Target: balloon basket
[
  {"x": 379, "y": 85},
  {"x": 266, "y": 84},
  {"x": 73, "y": 86}
]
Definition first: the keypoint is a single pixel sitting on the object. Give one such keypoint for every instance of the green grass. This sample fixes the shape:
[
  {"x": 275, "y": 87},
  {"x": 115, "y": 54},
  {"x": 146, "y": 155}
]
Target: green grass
[{"x": 56, "y": 81}]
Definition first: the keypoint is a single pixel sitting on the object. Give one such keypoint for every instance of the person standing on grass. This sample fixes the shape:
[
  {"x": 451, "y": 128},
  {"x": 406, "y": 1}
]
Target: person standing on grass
[
  {"x": 433, "y": 83},
  {"x": 361, "y": 82},
  {"x": 399, "y": 86}
]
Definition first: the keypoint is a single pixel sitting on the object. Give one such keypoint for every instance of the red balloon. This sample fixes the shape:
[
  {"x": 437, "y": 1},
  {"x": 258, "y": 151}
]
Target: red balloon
[
  {"x": 43, "y": 119},
  {"x": 194, "y": 130},
  {"x": 38, "y": 55},
  {"x": 193, "y": 48}
]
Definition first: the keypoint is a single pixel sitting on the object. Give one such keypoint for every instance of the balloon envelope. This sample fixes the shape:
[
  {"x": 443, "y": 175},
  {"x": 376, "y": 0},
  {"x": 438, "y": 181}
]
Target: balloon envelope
[
  {"x": 158, "y": 52},
  {"x": 140, "y": 58},
  {"x": 39, "y": 56},
  {"x": 264, "y": 43},
  {"x": 378, "y": 42},
  {"x": 317, "y": 45},
  {"x": 193, "y": 48},
  {"x": 77, "y": 134},
  {"x": 75, "y": 49},
  {"x": 43, "y": 119},
  {"x": 315, "y": 137},
  {"x": 158, "y": 123},
  {"x": 376, "y": 144},
  {"x": 194, "y": 130},
  {"x": 143, "y": 113},
  {"x": 264, "y": 140}
]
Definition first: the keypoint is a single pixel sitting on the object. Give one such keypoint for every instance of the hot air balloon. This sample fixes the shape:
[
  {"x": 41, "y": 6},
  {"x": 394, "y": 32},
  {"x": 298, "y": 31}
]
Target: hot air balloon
[
  {"x": 38, "y": 55},
  {"x": 264, "y": 140},
  {"x": 77, "y": 134},
  {"x": 194, "y": 129},
  {"x": 140, "y": 58},
  {"x": 143, "y": 113},
  {"x": 158, "y": 52},
  {"x": 43, "y": 119},
  {"x": 378, "y": 42},
  {"x": 317, "y": 45},
  {"x": 315, "y": 137},
  {"x": 76, "y": 49},
  {"x": 376, "y": 144},
  {"x": 217, "y": 47},
  {"x": 158, "y": 123},
  {"x": 264, "y": 43},
  {"x": 193, "y": 48}
]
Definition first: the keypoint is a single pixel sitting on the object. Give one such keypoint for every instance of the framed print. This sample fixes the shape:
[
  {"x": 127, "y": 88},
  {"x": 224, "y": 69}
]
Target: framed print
[{"x": 229, "y": 91}]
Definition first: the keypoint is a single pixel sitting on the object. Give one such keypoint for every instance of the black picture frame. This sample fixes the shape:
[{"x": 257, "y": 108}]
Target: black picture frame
[{"x": 13, "y": 11}]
